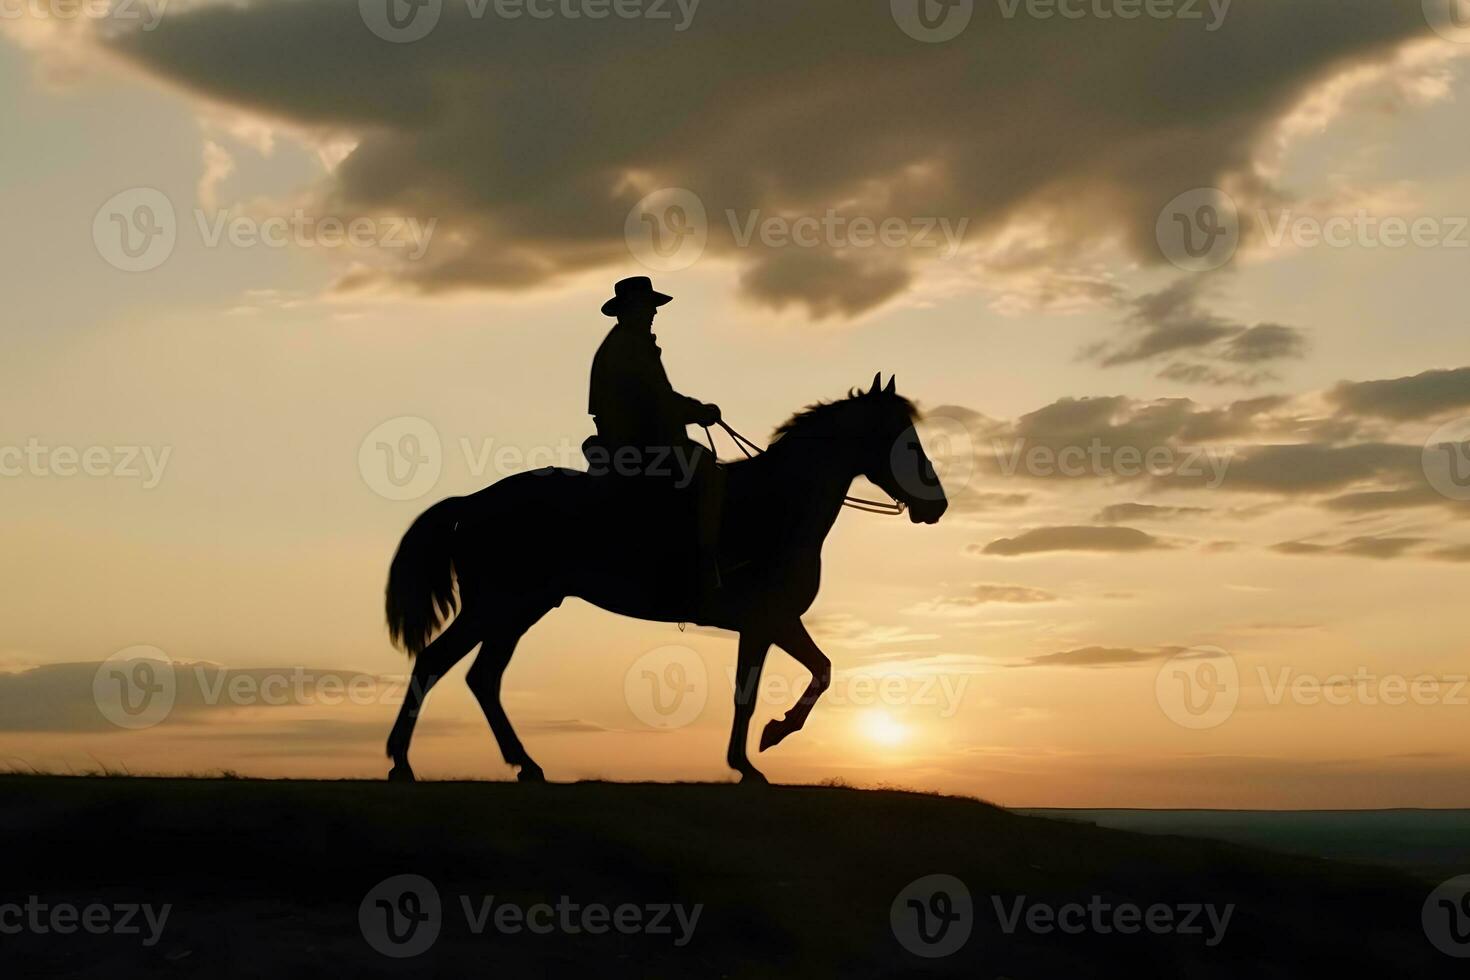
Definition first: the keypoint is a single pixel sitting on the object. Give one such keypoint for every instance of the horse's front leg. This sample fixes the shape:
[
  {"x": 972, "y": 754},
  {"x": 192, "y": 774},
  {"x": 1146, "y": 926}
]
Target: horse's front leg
[
  {"x": 795, "y": 640},
  {"x": 752, "y": 657}
]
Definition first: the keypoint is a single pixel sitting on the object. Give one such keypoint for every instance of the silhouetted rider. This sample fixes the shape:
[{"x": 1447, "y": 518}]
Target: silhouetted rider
[{"x": 641, "y": 419}]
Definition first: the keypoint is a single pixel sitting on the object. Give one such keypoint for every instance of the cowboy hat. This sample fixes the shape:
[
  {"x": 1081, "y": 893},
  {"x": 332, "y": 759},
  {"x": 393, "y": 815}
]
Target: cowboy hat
[{"x": 633, "y": 290}]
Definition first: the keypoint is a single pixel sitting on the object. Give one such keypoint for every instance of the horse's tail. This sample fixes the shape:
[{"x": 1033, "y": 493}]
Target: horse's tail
[{"x": 421, "y": 578}]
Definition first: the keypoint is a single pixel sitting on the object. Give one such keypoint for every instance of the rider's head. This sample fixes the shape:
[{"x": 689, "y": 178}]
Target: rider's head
[
  {"x": 634, "y": 302},
  {"x": 638, "y": 314}
]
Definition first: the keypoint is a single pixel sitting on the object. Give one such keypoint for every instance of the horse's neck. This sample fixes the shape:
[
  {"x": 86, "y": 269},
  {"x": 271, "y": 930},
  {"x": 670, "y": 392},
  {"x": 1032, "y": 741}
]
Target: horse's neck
[{"x": 815, "y": 475}]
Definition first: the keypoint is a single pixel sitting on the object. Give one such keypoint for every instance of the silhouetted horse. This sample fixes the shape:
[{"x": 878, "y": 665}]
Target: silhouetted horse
[{"x": 520, "y": 546}]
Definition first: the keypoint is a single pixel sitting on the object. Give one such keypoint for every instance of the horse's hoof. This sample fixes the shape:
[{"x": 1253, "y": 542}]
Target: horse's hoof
[
  {"x": 531, "y": 774},
  {"x": 773, "y": 733},
  {"x": 400, "y": 774},
  {"x": 752, "y": 778}
]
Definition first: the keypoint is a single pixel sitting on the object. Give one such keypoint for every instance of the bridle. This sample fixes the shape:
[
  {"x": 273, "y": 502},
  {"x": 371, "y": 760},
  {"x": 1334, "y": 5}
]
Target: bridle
[{"x": 891, "y": 508}]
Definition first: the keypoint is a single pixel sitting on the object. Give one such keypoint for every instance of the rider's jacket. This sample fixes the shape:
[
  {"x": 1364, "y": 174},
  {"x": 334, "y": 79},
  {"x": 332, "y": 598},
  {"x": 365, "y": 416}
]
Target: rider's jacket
[{"x": 631, "y": 399}]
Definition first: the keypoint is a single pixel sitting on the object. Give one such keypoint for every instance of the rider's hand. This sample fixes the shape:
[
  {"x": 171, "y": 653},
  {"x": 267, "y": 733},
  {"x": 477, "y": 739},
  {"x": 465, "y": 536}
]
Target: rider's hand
[{"x": 711, "y": 414}]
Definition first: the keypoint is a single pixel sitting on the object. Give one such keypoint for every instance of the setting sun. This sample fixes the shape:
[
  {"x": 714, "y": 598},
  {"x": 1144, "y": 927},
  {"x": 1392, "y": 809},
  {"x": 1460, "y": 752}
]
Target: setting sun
[{"x": 879, "y": 726}]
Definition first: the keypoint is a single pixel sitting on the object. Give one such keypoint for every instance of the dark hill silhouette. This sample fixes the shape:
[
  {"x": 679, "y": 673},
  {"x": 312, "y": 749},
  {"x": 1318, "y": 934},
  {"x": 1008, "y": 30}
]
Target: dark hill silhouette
[{"x": 267, "y": 878}]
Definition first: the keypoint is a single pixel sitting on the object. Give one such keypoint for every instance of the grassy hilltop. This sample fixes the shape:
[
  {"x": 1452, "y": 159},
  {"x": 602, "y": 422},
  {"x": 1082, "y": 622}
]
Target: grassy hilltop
[{"x": 265, "y": 878}]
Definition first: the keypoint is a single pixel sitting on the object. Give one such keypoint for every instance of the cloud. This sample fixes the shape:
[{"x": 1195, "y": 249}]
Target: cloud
[
  {"x": 1383, "y": 547},
  {"x": 1173, "y": 321},
  {"x": 1204, "y": 374},
  {"x": 1421, "y": 396},
  {"x": 1098, "y": 656},
  {"x": 1118, "y": 513},
  {"x": 1072, "y": 538},
  {"x": 986, "y": 594},
  {"x": 847, "y": 630},
  {"x": 1369, "y": 501},
  {"x": 510, "y": 132},
  {"x": 1307, "y": 468},
  {"x": 1365, "y": 546},
  {"x": 563, "y": 726}
]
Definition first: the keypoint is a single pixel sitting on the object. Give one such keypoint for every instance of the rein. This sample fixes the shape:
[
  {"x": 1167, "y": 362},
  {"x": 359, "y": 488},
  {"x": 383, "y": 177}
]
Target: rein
[{"x": 891, "y": 508}]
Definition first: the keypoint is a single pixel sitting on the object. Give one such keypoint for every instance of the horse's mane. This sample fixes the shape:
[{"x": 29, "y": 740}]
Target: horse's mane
[{"x": 844, "y": 416}]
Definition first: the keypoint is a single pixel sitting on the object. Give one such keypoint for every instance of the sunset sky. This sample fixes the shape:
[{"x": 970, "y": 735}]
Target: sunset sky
[{"x": 236, "y": 371}]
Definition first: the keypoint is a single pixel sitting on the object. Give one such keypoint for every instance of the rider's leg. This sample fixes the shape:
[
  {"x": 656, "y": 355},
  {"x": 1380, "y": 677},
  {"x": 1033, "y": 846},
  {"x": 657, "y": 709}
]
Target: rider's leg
[{"x": 709, "y": 498}]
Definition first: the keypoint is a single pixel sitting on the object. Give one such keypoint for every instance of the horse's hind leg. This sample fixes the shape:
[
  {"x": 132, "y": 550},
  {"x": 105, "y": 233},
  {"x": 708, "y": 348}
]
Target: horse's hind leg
[
  {"x": 448, "y": 648},
  {"x": 501, "y": 632}
]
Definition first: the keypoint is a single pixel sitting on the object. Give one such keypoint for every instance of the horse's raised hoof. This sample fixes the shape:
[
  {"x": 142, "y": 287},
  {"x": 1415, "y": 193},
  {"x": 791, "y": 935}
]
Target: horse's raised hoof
[
  {"x": 530, "y": 774},
  {"x": 400, "y": 774},
  {"x": 776, "y": 729}
]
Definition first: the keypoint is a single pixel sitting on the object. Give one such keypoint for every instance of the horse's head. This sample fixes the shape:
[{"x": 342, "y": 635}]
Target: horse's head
[
  {"x": 893, "y": 458},
  {"x": 880, "y": 423}
]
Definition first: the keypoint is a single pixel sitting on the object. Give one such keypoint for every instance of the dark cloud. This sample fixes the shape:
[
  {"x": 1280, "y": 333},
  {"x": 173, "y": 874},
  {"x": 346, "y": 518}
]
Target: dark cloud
[
  {"x": 1173, "y": 321},
  {"x": 1421, "y": 396},
  {"x": 1369, "y": 501},
  {"x": 1265, "y": 342},
  {"x": 1309, "y": 468},
  {"x": 531, "y": 140},
  {"x": 1072, "y": 538},
  {"x": 1204, "y": 374}
]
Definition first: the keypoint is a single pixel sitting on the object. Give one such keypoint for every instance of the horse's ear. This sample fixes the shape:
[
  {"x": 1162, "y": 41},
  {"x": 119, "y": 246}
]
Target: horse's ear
[
  {"x": 877, "y": 382},
  {"x": 892, "y": 379}
]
